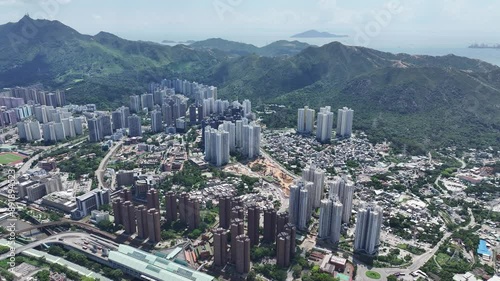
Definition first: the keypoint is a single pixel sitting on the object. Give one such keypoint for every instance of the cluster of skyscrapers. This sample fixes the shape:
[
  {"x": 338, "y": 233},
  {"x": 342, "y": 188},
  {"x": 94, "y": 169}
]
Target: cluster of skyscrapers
[
  {"x": 57, "y": 125},
  {"x": 232, "y": 224},
  {"x": 324, "y": 127},
  {"x": 143, "y": 219},
  {"x": 305, "y": 195},
  {"x": 231, "y": 137},
  {"x": 20, "y": 101},
  {"x": 335, "y": 209}
]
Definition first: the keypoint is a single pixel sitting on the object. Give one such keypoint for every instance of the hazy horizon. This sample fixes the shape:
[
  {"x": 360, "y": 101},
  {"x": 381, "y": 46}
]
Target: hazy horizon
[{"x": 374, "y": 23}]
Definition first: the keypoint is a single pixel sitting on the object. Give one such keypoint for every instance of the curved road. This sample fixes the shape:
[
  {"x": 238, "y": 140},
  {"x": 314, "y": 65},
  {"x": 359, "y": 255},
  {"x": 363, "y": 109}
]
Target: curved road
[
  {"x": 104, "y": 163},
  {"x": 417, "y": 262},
  {"x": 53, "y": 238}
]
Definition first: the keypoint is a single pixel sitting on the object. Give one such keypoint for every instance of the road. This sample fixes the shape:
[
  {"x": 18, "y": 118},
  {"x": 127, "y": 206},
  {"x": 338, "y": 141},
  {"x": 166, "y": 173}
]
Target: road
[
  {"x": 104, "y": 163},
  {"x": 53, "y": 238},
  {"x": 27, "y": 165},
  {"x": 417, "y": 263}
]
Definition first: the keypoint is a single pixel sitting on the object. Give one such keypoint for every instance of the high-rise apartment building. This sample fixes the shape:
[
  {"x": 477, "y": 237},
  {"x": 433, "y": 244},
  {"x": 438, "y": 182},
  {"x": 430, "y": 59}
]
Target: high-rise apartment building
[
  {"x": 325, "y": 125},
  {"x": 344, "y": 122},
  {"x": 367, "y": 233},
  {"x": 317, "y": 177},
  {"x": 156, "y": 121},
  {"x": 220, "y": 246},
  {"x": 253, "y": 224},
  {"x": 141, "y": 214},
  {"x": 237, "y": 228},
  {"x": 345, "y": 192},
  {"x": 135, "y": 128},
  {"x": 299, "y": 205},
  {"x": 330, "y": 219},
  {"x": 270, "y": 220},
  {"x": 224, "y": 211},
  {"x": 305, "y": 120},
  {"x": 216, "y": 146},
  {"x": 154, "y": 229},
  {"x": 128, "y": 217},
  {"x": 242, "y": 254},
  {"x": 171, "y": 206},
  {"x": 135, "y": 104}
]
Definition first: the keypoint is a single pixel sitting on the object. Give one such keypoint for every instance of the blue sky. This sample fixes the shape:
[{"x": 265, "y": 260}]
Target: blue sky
[{"x": 447, "y": 22}]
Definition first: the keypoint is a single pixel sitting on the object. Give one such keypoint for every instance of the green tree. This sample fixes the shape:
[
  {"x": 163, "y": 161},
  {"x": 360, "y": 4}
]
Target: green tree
[
  {"x": 43, "y": 275},
  {"x": 106, "y": 225},
  {"x": 56, "y": 251}
]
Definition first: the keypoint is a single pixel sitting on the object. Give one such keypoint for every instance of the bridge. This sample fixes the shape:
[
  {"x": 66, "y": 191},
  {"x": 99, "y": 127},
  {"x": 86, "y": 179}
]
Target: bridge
[{"x": 85, "y": 226}]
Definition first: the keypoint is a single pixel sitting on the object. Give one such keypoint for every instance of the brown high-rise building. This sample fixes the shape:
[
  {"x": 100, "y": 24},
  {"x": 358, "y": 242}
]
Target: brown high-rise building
[
  {"x": 153, "y": 199},
  {"x": 291, "y": 230},
  {"x": 237, "y": 212},
  {"x": 171, "y": 206},
  {"x": 220, "y": 246},
  {"x": 237, "y": 228},
  {"x": 128, "y": 217},
  {"x": 281, "y": 221},
  {"x": 183, "y": 200},
  {"x": 283, "y": 249},
  {"x": 253, "y": 225},
  {"x": 224, "y": 211},
  {"x": 141, "y": 213},
  {"x": 117, "y": 211},
  {"x": 153, "y": 219},
  {"x": 269, "y": 225},
  {"x": 125, "y": 195},
  {"x": 193, "y": 213},
  {"x": 242, "y": 254}
]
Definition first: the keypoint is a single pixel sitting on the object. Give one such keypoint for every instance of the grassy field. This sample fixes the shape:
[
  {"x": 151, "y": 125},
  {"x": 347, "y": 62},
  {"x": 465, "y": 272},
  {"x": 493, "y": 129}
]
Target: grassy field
[
  {"x": 6, "y": 158},
  {"x": 373, "y": 274}
]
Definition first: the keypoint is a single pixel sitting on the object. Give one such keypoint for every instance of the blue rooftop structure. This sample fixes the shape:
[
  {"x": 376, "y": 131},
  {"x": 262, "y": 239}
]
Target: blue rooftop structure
[{"x": 482, "y": 249}]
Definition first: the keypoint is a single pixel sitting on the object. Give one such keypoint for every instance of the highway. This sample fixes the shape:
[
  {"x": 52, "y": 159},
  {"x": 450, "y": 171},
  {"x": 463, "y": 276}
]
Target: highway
[
  {"x": 51, "y": 239},
  {"x": 104, "y": 163}
]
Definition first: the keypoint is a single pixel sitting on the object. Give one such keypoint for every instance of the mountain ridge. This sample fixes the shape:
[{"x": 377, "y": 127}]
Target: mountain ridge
[{"x": 422, "y": 102}]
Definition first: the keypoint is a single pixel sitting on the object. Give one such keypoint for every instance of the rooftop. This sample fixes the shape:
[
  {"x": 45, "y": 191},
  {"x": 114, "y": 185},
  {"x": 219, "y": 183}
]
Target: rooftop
[{"x": 154, "y": 266}]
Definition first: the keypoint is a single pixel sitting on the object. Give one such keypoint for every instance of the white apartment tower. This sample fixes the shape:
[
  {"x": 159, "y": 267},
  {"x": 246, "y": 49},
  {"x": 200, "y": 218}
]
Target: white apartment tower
[
  {"x": 230, "y": 127},
  {"x": 251, "y": 140},
  {"x": 325, "y": 125},
  {"x": 298, "y": 206},
  {"x": 305, "y": 120},
  {"x": 367, "y": 234},
  {"x": 317, "y": 177},
  {"x": 345, "y": 192},
  {"x": 344, "y": 122},
  {"x": 216, "y": 146},
  {"x": 330, "y": 220}
]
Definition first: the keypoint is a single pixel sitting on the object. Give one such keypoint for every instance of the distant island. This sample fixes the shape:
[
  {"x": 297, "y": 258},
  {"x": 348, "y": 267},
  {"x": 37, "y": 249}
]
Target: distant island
[
  {"x": 177, "y": 42},
  {"x": 317, "y": 34},
  {"x": 484, "y": 46}
]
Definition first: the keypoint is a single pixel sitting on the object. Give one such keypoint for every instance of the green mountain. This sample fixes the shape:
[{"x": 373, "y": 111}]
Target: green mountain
[
  {"x": 275, "y": 49},
  {"x": 100, "y": 69},
  {"x": 422, "y": 102}
]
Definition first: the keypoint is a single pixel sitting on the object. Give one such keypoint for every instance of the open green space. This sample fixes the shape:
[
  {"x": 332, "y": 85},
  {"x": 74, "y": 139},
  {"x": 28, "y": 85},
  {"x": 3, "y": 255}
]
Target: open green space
[
  {"x": 373, "y": 274},
  {"x": 7, "y": 157}
]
